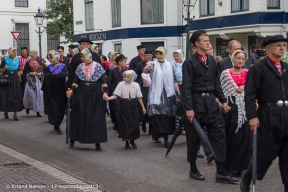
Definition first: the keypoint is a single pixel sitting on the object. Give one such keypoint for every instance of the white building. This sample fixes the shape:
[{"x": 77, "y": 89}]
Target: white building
[
  {"x": 22, "y": 12},
  {"x": 121, "y": 25}
]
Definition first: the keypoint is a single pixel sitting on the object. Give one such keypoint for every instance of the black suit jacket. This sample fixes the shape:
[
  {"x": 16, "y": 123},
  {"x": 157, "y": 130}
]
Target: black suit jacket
[{"x": 226, "y": 63}]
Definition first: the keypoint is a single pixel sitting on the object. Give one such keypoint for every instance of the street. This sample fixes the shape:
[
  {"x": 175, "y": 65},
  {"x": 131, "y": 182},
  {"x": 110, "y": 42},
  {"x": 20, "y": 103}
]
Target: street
[{"x": 117, "y": 169}]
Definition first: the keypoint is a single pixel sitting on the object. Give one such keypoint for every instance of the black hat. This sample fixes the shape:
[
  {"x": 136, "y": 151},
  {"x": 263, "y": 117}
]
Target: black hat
[
  {"x": 87, "y": 40},
  {"x": 148, "y": 52},
  {"x": 140, "y": 47},
  {"x": 196, "y": 35},
  {"x": 60, "y": 47},
  {"x": 119, "y": 58},
  {"x": 72, "y": 46},
  {"x": 273, "y": 39}
]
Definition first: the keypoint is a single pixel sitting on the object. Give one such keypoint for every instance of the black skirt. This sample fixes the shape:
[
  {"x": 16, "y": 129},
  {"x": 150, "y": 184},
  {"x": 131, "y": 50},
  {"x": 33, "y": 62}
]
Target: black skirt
[
  {"x": 129, "y": 119},
  {"x": 88, "y": 122},
  {"x": 55, "y": 99},
  {"x": 238, "y": 144},
  {"x": 163, "y": 125},
  {"x": 11, "y": 97}
]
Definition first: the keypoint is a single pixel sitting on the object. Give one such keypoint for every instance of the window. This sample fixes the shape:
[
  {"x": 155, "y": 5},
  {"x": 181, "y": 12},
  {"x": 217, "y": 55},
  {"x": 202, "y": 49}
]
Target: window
[
  {"x": 118, "y": 48},
  {"x": 239, "y": 5},
  {"x": 273, "y": 4},
  {"x": 207, "y": 7},
  {"x": 116, "y": 13},
  {"x": 21, "y": 3},
  {"x": 23, "y": 41},
  {"x": 89, "y": 15},
  {"x": 152, "y": 11},
  {"x": 151, "y": 46},
  {"x": 52, "y": 43}
]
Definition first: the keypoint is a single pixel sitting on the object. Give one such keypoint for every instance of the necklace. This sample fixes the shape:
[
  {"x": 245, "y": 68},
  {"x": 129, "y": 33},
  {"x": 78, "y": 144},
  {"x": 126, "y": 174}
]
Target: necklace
[{"x": 237, "y": 67}]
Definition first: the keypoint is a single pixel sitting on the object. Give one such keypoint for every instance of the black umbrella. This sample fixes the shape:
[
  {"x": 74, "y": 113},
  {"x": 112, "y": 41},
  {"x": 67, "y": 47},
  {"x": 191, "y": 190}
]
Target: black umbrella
[
  {"x": 68, "y": 119},
  {"x": 198, "y": 128},
  {"x": 254, "y": 161}
]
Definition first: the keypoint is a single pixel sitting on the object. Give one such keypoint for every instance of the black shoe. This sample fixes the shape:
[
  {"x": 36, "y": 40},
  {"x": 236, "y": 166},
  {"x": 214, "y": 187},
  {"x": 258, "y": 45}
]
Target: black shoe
[
  {"x": 98, "y": 147},
  {"x": 38, "y": 114},
  {"x": 199, "y": 155},
  {"x": 71, "y": 143},
  {"x": 245, "y": 187},
  {"x": 210, "y": 157},
  {"x": 225, "y": 179},
  {"x": 59, "y": 132},
  {"x": 157, "y": 141},
  {"x": 27, "y": 111},
  {"x": 196, "y": 176},
  {"x": 167, "y": 144},
  {"x": 133, "y": 144},
  {"x": 107, "y": 112},
  {"x": 6, "y": 115},
  {"x": 144, "y": 128},
  {"x": 15, "y": 118}
]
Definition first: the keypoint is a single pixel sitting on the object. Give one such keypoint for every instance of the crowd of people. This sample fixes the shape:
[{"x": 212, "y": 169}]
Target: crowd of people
[{"x": 227, "y": 97}]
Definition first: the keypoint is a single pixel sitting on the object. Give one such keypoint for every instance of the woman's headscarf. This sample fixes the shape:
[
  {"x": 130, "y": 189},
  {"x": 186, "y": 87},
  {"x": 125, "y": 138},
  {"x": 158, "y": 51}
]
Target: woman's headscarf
[
  {"x": 76, "y": 50},
  {"x": 86, "y": 54},
  {"x": 161, "y": 50},
  {"x": 132, "y": 74},
  {"x": 32, "y": 52},
  {"x": 11, "y": 50},
  {"x": 93, "y": 46},
  {"x": 180, "y": 53},
  {"x": 54, "y": 55}
]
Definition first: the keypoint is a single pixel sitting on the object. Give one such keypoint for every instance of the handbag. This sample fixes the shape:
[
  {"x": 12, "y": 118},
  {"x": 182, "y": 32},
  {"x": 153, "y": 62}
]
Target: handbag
[{"x": 4, "y": 79}]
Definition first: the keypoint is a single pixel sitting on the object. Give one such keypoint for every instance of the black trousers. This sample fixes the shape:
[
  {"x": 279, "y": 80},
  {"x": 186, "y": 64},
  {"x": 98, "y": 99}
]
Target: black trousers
[
  {"x": 272, "y": 140},
  {"x": 207, "y": 113}
]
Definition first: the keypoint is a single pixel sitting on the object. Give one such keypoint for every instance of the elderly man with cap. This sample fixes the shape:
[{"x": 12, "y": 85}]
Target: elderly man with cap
[
  {"x": 140, "y": 57},
  {"x": 200, "y": 88},
  {"x": 144, "y": 118},
  {"x": 76, "y": 60},
  {"x": 269, "y": 122}
]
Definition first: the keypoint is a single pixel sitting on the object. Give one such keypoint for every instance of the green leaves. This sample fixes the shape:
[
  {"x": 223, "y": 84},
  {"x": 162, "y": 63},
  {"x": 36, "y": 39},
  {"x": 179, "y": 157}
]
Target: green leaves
[{"x": 59, "y": 14}]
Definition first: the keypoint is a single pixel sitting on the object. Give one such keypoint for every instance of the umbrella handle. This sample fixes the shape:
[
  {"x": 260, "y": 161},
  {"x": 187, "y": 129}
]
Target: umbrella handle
[{"x": 254, "y": 160}]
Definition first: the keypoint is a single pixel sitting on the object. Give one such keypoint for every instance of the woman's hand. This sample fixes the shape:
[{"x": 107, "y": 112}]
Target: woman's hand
[
  {"x": 33, "y": 73},
  {"x": 240, "y": 89},
  {"x": 69, "y": 94},
  {"x": 225, "y": 108},
  {"x": 144, "y": 110},
  {"x": 105, "y": 97}
]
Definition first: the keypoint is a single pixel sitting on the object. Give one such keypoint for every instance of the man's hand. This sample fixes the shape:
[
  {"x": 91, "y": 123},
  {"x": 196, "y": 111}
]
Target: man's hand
[
  {"x": 254, "y": 124},
  {"x": 225, "y": 108},
  {"x": 190, "y": 115}
]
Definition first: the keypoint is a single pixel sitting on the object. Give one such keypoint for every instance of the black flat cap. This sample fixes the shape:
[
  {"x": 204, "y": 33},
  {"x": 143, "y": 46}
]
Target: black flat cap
[
  {"x": 273, "y": 39},
  {"x": 140, "y": 47},
  {"x": 86, "y": 40},
  {"x": 148, "y": 52},
  {"x": 119, "y": 58},
  {"x": 72, "y": 46},
  {"x": 196, "y": 35}
]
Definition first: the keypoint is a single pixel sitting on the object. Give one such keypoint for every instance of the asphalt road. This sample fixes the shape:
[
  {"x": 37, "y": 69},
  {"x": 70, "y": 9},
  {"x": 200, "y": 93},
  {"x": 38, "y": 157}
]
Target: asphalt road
[{"x": 116, "y": 169}]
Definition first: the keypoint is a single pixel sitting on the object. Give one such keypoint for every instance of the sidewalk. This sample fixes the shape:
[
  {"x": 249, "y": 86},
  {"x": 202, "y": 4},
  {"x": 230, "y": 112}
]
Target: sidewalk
[{"x": 19, "y": 172}]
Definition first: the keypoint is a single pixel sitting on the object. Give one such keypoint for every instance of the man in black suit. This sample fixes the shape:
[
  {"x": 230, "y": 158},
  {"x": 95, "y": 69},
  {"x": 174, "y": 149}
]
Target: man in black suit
[{"x": 226, "y": 63}]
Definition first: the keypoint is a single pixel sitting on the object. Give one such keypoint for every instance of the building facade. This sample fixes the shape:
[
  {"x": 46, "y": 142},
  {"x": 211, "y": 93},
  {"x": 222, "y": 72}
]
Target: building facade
[
  {"x": 121, "y": 25},
  {"x": 18, "y": 15}
]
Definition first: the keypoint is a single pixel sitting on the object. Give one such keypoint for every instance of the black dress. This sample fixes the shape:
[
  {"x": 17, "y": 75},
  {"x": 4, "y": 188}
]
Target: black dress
[
  {"x": 11, "y": 97},
  {"x": 54, "y": 90},
  {"x": 88, "y": 122}
]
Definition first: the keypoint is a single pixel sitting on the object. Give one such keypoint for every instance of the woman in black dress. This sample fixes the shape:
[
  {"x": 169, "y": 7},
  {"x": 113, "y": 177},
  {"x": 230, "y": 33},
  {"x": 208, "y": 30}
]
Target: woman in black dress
[
  {"x": 11, "y": 95},
  {"x": 54, "y": 90},
  {"x": 88, "y": 122}
]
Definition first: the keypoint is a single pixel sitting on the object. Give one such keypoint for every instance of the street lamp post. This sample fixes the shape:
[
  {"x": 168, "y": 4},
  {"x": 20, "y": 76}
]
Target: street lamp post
[
  {"x": 187, "y": 3},
  {"x": 39, "y": 17}
]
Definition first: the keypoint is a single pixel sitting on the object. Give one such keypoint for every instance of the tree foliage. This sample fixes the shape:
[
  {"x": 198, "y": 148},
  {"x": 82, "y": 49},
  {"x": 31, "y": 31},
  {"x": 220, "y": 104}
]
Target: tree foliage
[{"x": 59, "y": 15}]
